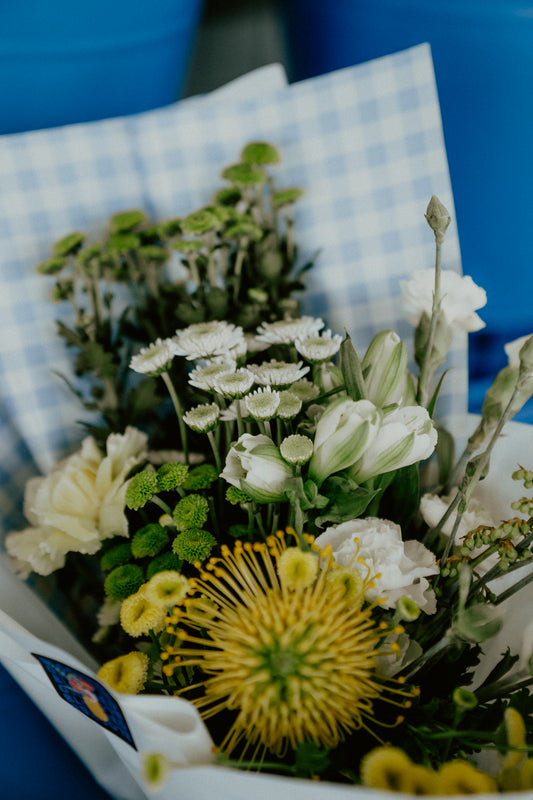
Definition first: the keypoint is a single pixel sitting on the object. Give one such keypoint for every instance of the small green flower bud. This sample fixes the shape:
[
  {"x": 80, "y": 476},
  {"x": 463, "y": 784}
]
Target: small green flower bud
[
  {"x": 86, "y": 255},
  {"x": 187, "y": 246},
  {"x": 193, "y": 545},
  {"x": 238, "y": 531},
  {"x": 171, "y": 475},
  {"x": 200, "y": 222},
  {"x": 124, "y": 581},
  {"x": 236, "y": 496},
  {"x": 161, "y": 563},
  {"x": 116, "y": 556},
  {"x": 406, "y": 609},
  {"x": 438, "y": 218},
  {"x": 191, "y": 512},
  {"x": 51, "y": 266},
  {"x": 141, "y": 488},
  {"x": 126, "y": 221},
  {"x": 296, "y": 449},
  {"x": 149, "y": 541},
  {"x": 464, "y": 699},
  {"x": 260, "y": 153},
  {"x": 286, "y": 197},
  {"x": 244, "y": 175},
  {"x": 200, "y": 477},
  {"x": 68, "y": 245}
]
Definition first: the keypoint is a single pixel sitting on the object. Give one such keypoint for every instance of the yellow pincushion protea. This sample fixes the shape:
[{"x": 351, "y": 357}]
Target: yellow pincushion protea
[{"x": 295, "y": 659}]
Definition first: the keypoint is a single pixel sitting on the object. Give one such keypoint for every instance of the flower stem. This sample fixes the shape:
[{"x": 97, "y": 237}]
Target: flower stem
[
  {"x": 424, "y": 376},
  {"x": 179, "y": 413}
]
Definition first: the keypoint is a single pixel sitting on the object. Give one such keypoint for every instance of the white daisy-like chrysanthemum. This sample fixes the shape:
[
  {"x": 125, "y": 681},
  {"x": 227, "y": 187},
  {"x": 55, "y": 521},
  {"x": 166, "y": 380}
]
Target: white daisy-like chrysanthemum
[
  {"x": 156, "y": 358},
  {"x": 208, "y": 339},
  {"x": 206, "y": 377},
  {"x": 255, "y": 345},
  {"x": 296, "y": 449},
  {"x": 235, "y": 384},
  {"x": 320, "y": 348},
  {"x": 229, "y": 414},
  {"x": 286, "y": 331},
  {"x": 278, "y": 374},
  {"x": 306, "y": 390},
  {"x": 290, "y": 405},
  {"x": 263, "y": 403},
  {"x": 202, "y": 418}
]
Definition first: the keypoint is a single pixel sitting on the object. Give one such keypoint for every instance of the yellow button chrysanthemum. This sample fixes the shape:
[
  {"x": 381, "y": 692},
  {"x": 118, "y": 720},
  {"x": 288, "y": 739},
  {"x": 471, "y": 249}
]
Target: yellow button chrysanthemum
[{"x": 125, "y": 674}]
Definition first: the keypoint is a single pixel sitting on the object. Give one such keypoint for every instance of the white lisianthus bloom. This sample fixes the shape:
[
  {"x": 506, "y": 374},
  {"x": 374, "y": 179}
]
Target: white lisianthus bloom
[
  {"x": 208, "y": 339},
  {"x": 255, "y": 465},
  {"x": 432, "y": 508},
  {"x": 346, "y": 429},
  {"x": 78, "y": 504},
  {"x": 461, "y": 298},
  {"x": 385, "y": 370},
  {"x": 407, "y": 435},
  {"x": 400, "y": 568}
]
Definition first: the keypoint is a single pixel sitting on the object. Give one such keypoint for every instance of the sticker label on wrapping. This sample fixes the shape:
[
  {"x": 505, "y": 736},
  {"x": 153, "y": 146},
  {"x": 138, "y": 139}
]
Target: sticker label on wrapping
[{"x": 86, "y": 695}]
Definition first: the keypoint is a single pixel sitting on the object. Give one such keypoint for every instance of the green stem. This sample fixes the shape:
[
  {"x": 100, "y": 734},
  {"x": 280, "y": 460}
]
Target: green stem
[
  {"x": 162, "y": 505},
  {"x": 215, "y": 450},
  {"x": 424, "y": 376},
  {"x": 179, "y": 413}
]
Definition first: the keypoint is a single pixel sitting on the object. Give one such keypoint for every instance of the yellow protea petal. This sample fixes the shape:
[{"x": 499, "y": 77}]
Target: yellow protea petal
[
  {"x": 126, "y": 674},
  {"x": 461, "y": 777}
]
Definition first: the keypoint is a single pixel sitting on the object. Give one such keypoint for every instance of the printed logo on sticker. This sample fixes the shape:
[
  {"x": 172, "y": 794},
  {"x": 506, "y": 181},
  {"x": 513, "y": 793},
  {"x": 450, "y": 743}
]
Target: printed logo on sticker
[{"x": 87, "y": 695}]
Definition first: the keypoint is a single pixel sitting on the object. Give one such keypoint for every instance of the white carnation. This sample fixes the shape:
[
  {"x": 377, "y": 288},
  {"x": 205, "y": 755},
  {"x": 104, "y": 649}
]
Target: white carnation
[
  {"x": 400, "y": 568},
  {"x": 461, "y": 298}
]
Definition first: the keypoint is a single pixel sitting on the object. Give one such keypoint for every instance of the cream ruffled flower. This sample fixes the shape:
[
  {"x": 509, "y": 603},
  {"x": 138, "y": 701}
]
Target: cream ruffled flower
[
  {"x": 77, "y": 505},
  {"x": 400, "y": 568},
  {"x": 461, "y": 298}
]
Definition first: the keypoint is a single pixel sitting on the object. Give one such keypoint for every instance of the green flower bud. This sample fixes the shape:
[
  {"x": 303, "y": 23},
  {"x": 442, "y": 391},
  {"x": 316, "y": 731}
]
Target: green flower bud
[
  {"x": 200, "y": 477},
  {"x": 51, "y": 266},
  {"x": 438, "y": 218},
  {"x": 244, "y": 175},
  {"x": 149, "y": 541},
  {"x": 116, "y": 556},
  {"x": 384, "y": 369},
  {"x": 296, "y": 449},
  {"x": 124, "y": 581},
  {"x": 187, "y": 246},
  {"x": 464, "y": 699},
  {"x": 126, "y": 221},
  {"x": 236, "y": 496},
  {"x": 191, "y": 512},
  {"x": 406, "y": 609},
  {"x": 228, "y": 197},
  {"x": 162, "y": 563},
  {"x": 260, "y": 153},
  {"x": 171, "y": 475},
  {"x": 140, "y": 489},
  {"x": 68, "y": 245},
  {"x": 193, "y": 545},
  {"x": 157, "y": 255}
]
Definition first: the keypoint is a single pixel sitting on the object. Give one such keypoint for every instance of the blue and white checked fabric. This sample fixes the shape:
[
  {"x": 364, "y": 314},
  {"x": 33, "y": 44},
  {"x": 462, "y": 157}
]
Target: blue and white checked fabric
[{"x": 365, "y": 143}]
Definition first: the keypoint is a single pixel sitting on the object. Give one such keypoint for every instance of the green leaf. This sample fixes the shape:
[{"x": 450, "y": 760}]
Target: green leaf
[
  {"x": 445, "y": 450},
  {"x": 51, "y": 266},
  {"x": 400, "y": 500},
  {"x": 502, "y": 668},
  {"x": 347, "y": 500},
  {"x": 351, "y": 370},
  {"x": 94, "y": 357},
  {"x": 260, "y": 153},
  {"x": 433, "y": 401}
]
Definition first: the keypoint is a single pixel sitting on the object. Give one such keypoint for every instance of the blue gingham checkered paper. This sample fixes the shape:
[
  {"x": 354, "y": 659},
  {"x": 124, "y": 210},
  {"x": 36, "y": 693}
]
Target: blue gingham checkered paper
[{"x": 365, "y": 143}]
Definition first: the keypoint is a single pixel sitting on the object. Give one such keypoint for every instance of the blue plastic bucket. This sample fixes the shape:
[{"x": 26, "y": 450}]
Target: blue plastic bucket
[
  {"x": 483, "y": 57},
  {"x": 64, "y": 61}
]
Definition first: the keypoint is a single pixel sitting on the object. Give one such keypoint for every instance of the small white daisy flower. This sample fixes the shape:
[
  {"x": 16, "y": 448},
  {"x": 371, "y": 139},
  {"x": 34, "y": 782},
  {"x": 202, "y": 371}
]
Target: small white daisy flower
[
  {"x": 235, "y": 384},
  {"x": 207, "y": 339},
  {"x": 263, "y": 403},
  {"x": 229, "y": 414},
  {"x": 278, "y": 374},
  {"x": 289, "y": 405},
  {"x": 305, "y": 390},
  {"x": 320, "y": 348},
  {"x": 206, "y": 377},
  {"x": 296, "y": 449},
  {"x": 286, "y": 331},
  {"x": 156, "y": 358},
  {"x": 202, "y": 418}
]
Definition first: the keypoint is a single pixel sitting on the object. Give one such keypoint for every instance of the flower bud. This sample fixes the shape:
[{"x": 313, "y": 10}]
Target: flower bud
[
  {"x": 344, "y": 431},
  {"x": 438, "y": 218},
  {"x": 384, "y": 365},
  {"x": 255, "y": 465}
]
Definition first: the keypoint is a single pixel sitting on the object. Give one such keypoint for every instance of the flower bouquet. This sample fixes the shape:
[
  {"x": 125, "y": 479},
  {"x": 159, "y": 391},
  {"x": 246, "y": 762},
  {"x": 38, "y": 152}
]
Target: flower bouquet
[{"x": 272, "y": 528}]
